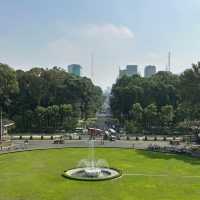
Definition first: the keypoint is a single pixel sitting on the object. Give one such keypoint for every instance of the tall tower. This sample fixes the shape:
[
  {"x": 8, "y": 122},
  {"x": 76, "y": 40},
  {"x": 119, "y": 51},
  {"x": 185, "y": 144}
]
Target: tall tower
[
  {"x": 92, "y": 66},
  {"x": 168, "y": 66}
]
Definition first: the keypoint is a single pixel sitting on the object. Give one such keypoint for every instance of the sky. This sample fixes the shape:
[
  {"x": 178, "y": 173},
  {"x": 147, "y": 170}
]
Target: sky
[{"x": 47, "y": 33}]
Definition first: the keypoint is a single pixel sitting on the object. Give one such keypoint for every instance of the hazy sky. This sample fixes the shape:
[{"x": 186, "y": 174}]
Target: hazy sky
[{"x": 44, "y": 33}]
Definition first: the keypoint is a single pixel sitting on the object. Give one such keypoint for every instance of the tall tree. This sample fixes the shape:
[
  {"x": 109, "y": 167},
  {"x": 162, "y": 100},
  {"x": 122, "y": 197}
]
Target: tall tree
[
  {"x": 150, "y": 116},
  {"x": 137, "y": 112},
  {"x": 167, "y": 115},
  {"x": 190, "y": 85},
  {"x": 8, "y": 86}
]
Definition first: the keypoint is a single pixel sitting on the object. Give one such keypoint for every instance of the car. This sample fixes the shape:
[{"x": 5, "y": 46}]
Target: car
[
  {"x": 112, "y": 138},
  {"x": 74, "y": 136}
]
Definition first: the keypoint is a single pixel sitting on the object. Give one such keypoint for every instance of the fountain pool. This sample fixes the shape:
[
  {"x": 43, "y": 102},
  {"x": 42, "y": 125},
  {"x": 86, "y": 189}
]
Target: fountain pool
[{"x": 91, "y": 169}]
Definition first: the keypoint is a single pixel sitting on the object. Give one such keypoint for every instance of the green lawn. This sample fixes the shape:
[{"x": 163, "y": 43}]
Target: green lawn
[{"x": 36, "y": 175}]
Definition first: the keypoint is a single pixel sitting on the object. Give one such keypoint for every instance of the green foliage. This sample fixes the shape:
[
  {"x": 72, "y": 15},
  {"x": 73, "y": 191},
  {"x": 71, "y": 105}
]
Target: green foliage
[
  {"x": 150, "y": 116},
  {"x": 162, "y": 100},
  {"x": 8, "y": 86},
  {"x": 166, "y": 114},
  {"x": 53, "y": 118},
  {"x": 160, "y": 89},
  {"x": 131, "y": 127},
  {"x": 137, "y": 112},
  {"x": 45, "y": 99},
  {"x": 190, "y": 84}
]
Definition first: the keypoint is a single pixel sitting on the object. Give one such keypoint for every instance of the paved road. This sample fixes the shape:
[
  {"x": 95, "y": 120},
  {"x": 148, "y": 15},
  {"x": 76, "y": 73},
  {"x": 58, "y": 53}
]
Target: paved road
[
  {"x": 19, "y": 145},
  {"x": 37, "y": 144}
]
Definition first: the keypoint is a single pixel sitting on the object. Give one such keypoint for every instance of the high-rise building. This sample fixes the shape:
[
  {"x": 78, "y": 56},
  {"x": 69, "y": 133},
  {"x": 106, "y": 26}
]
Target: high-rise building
[
  {"x": 122, "y": 72},
  {"x": 74, "y": 69},
  {"x": 149, "y": 70},
  {"x": 129, "y": 71}
]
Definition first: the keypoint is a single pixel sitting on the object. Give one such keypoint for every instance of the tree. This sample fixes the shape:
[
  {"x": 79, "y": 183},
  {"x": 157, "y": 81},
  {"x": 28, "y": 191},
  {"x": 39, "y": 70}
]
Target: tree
[
  {"x": 164, "y": 89},
  {"x": 66, "y": 111},
  {"x": 131, "y": 127},
  {"x": 41, "y": 118},
  {"x": 126, "y": 92},
  {"x": 167, "y": 115},
  {"x": 150, "y": 116},
  {"x": 189, "y": 87},
  {"x": 50, "y": 88},
  {"x": 137, "y": 112},
  {"x": 161, "y": 89},
  {"x": 183, "y": 112},
  {"x": 8, "y": 86}
]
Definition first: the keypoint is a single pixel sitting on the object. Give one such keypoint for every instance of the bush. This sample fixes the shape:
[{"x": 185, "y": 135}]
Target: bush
[
  {"x": 42, "y": 137},
  {"x": 20, "y": 137},
  {"x": 31, "y": 137},
  {"x": 127, "y": 137},
  {"x": 131, "y": 127},
  {"x": 52, "y": 137}
]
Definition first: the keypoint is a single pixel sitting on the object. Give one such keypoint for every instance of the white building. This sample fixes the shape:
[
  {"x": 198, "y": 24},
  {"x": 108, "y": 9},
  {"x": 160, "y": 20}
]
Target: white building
[{"x": 149, "y": 70}]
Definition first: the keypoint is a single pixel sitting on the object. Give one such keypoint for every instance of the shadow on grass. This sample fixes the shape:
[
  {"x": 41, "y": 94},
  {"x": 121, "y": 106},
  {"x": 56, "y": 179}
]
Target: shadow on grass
[{"x": 168, "y": 156}]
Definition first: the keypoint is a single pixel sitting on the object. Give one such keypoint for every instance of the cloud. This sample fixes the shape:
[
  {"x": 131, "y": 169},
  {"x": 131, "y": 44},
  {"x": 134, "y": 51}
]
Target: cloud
[
  {"x": 106, "y": 40},
  {"x": 110, "y": 44},
  {"x": 109, "y": 31}
]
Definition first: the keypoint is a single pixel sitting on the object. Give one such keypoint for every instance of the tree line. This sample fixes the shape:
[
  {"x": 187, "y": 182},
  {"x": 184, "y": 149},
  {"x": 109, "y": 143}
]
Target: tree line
[
  {"x": 160, "y": 103},
  {"x": 47, "y": 99}
]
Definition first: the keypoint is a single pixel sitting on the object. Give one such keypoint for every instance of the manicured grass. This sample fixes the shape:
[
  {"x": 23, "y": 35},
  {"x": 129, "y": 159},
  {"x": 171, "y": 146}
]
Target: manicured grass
[{"x": 36, "y": 175}]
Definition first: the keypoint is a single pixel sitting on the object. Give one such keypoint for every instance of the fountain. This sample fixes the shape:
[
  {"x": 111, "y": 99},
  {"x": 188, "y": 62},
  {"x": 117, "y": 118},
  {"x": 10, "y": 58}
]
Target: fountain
[{"x": 92, "y": 169}]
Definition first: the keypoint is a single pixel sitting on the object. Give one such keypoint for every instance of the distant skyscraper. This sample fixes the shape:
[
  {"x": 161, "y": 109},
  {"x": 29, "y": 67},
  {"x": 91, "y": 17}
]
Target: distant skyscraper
[
  {"x": 74, "y": 69},
  {"x": 149, "y": 70},
  {"x": 129, "y": 71}
]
